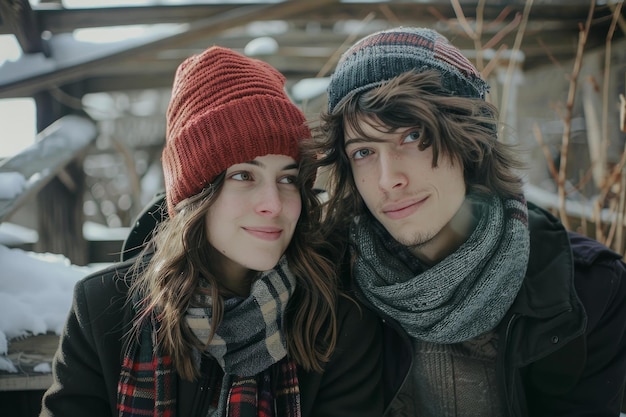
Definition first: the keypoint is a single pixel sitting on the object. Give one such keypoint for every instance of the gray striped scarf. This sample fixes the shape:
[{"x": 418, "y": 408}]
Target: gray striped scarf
[
  {"x": 464, "y": 295},
  {"x": 250, "y": 337}
]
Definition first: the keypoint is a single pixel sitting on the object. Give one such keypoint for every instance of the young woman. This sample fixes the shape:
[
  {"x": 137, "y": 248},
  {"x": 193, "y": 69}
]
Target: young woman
[{"x": 232, "y": 308}]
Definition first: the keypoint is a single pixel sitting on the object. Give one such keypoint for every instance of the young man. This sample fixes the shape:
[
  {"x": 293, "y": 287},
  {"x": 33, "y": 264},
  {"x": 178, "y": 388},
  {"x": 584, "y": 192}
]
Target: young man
[{"x": 491, "y": 307}]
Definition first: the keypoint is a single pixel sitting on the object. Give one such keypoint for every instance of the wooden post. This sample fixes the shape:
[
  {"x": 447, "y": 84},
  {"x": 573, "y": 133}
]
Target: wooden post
[{"x": 60, "y": 215}]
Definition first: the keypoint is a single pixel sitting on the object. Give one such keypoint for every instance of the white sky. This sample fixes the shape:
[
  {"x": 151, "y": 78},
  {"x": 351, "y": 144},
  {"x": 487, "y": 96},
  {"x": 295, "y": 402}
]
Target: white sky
[{"x": 17, "y": 116}]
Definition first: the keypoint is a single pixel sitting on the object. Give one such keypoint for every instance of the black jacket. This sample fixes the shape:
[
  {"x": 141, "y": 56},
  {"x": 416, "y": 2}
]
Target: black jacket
[
  {"x": 87, "y": 365},
  {"x": 562, "y": 344}
]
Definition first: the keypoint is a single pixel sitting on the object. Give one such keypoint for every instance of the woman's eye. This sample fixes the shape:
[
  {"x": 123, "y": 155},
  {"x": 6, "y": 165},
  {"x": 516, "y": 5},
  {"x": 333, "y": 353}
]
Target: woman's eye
[
  {"x": 241, "y": 176},
  {"x": 414, "y": 136},
  {"x": 361, "y": 153}
]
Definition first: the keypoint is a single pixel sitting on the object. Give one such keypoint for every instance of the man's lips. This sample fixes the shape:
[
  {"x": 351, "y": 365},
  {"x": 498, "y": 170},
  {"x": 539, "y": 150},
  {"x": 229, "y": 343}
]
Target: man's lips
[
  {"x": 401, "y": 209},
  {"x": 265, "y": 233}
]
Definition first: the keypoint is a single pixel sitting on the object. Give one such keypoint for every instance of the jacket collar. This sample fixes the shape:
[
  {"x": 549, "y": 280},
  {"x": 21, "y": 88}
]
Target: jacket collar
[
  {"x": 549, "y": 298},
  {"x": 548, "y": 287}
]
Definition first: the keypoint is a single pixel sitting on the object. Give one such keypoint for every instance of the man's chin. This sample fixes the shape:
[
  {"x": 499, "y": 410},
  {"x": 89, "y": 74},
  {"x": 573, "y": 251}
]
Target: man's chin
[{"x": 412, "y": 240}]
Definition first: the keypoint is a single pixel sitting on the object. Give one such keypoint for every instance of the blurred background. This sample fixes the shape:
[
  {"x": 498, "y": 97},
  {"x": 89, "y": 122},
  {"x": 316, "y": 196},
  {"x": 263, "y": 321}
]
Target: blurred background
[{"x": 84, "y": 85}]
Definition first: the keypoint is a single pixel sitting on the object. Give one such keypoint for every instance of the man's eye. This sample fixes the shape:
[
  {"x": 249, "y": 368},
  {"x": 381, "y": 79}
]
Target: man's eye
[
  {"x": 241, "y": 176},
  {"x": 361, "y": 153},
  {"x": 414, "y": 136},
  {"x": 289, "y": 179}
]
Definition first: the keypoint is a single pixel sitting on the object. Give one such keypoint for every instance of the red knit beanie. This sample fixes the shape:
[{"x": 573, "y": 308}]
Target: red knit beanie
[{"x": 225, "y": 109}]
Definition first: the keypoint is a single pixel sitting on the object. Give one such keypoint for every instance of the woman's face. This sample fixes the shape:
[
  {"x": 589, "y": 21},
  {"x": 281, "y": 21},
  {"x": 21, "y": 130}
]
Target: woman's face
[{"x": 253, "y": 218}]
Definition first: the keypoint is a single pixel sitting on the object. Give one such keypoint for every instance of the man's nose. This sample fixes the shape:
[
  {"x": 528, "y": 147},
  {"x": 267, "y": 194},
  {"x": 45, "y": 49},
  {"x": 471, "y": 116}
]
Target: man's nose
[{"x": 391, "y": 172}]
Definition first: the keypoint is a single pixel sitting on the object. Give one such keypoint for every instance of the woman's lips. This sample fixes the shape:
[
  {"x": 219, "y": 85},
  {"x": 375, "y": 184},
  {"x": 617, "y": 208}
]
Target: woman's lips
[{"x": 265, "y": 233}]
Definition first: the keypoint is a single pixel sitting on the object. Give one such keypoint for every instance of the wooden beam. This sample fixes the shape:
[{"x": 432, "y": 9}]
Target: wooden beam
[
  {"x": 38, "y": 164},
  {"x": 28, "y": 79},
  {"x": 18, "y": 18},
  {"x": 301, "y": 53},
  {"x": 56, "y": 19}
]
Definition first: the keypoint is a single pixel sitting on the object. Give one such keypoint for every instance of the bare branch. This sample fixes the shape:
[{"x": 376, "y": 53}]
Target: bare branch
[
  {"x": 503, "y": 32},
  {"x": 567, "y": 122},
  {"x": 349, "y": 40},
  {"x": 493, "y": 62},
  {"x": 546, "y": 152},
  {"x": 458, "y": 11},
  {"x": 516, "y": 47}
]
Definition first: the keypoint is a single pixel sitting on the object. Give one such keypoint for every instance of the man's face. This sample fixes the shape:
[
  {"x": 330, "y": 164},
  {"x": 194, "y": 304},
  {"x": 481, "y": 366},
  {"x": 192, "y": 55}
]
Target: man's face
[{"x": 399, "y": 186}]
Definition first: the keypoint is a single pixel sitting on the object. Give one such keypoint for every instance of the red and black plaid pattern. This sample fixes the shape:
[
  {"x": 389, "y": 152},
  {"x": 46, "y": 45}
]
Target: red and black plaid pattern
[
  {"x": 273, "y": 393},
  {"x": 147, "y": 385}
]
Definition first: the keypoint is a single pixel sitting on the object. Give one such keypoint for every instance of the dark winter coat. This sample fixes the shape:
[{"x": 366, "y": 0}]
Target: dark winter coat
[
  {"x": 87, "y": 366},
  {"x": 562, "y": 345}
]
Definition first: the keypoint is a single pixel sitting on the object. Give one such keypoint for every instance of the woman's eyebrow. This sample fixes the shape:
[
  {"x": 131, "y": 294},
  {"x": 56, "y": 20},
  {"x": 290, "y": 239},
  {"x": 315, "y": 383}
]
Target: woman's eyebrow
[{"x": 262, "y": 165}]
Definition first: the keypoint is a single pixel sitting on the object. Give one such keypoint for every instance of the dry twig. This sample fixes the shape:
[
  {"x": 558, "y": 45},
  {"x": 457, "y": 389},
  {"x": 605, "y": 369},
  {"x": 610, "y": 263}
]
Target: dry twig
[
  {"x": 516, "y": 47},
  {"x": 567, "y": 121}
]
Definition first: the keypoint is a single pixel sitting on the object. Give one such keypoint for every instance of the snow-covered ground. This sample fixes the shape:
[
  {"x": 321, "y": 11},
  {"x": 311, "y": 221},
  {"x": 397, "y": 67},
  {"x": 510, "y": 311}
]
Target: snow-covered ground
[{"x": 35, "y": 296}]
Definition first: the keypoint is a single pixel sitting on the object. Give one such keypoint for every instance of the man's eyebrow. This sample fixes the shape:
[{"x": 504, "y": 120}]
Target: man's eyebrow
[{"x": 362, "y": 140}]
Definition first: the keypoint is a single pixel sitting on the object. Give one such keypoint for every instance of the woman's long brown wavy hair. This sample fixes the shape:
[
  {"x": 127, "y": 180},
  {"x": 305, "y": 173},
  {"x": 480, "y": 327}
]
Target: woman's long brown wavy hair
[
  {"x": 167, "y": 282},
  {"x": 463, "y": 129}
]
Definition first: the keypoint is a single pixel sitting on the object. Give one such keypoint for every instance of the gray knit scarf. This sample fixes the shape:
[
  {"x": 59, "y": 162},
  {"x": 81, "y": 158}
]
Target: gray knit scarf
[
  {"x": 464, "y": 295},
  {"x": 250, "y": 338}
]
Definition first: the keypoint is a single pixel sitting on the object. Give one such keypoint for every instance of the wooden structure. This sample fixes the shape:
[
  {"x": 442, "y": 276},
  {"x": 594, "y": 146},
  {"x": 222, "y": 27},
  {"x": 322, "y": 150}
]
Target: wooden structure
[
  {"x": 45, "y": 167},
  {"x": 309, "y": 37}
]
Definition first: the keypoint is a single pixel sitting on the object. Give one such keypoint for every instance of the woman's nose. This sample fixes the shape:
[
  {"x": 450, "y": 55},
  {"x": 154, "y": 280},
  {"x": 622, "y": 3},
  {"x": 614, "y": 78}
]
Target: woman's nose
[{"x": 269, "y": 201}]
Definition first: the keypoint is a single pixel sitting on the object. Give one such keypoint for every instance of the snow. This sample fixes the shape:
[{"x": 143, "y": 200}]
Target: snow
[
  {"x": 574, "y": 207},
  {"x": 35, "y": 295},
  {"x": 264, "y": 45},
  {"x": 309, "y": 88},
  {"x": 35, "y": 288},
  {"x": 11, "y": 185}
]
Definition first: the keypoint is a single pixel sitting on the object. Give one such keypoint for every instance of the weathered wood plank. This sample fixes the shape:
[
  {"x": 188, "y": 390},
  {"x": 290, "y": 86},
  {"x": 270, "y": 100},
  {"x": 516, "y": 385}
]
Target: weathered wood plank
[
  {"x": 19, "y": 18},
  {"x": 55, "y": 148},
  {"x": 30, "y": 74},
  {"x": 26, "y": 354}
]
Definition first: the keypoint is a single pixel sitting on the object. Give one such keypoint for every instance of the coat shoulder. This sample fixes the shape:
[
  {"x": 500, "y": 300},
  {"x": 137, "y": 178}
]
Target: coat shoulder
[{"x": 587, "y": 251}]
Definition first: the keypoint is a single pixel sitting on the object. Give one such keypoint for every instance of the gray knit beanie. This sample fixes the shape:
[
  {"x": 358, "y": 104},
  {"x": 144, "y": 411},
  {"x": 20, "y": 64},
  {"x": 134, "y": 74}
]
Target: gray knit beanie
[{"x": 383, "y": 55}]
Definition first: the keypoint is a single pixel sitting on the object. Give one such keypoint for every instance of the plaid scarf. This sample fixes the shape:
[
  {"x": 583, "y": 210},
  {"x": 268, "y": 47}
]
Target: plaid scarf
[
  {"x": 147, "y": 385},
  {"x": 250, "y": 338},
  {"x": 273, "y": 393},
  {"x": 259, "y": 379}
]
